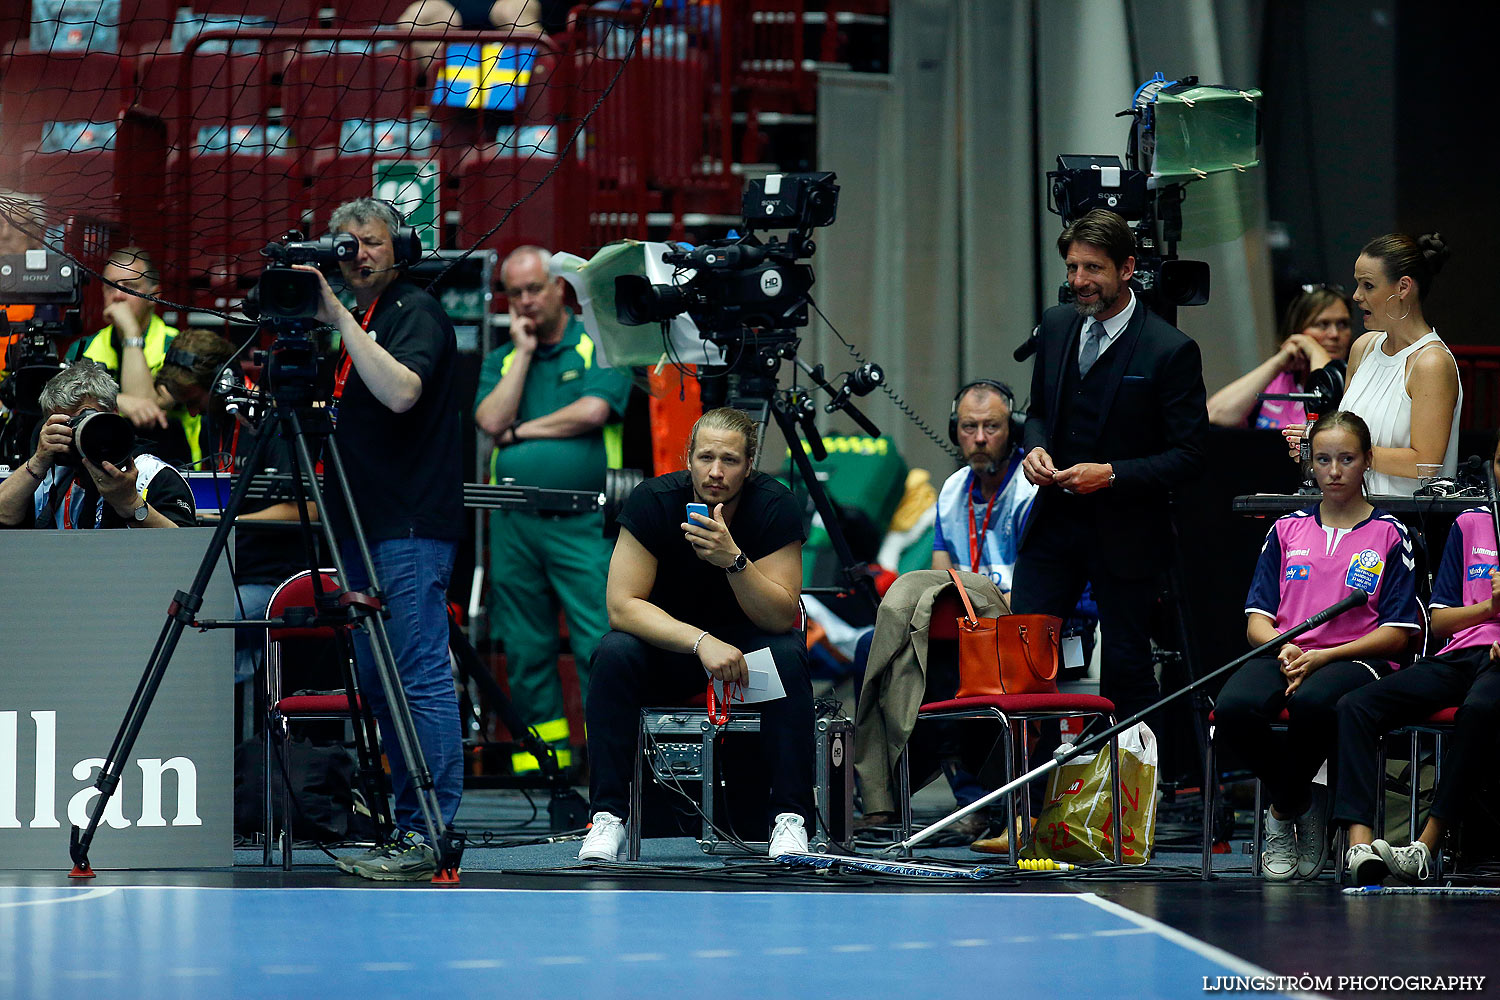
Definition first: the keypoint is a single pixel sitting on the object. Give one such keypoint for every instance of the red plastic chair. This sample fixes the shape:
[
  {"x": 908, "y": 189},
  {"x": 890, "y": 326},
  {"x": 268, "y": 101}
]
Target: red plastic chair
[
  {"x": 1012, "y": 712},
  {"x": 282, "y": 710}
]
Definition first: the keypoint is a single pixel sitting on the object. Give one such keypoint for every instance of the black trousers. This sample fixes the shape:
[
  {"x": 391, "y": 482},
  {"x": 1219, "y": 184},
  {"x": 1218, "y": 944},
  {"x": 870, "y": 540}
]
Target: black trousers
[
  {"x": 1061, "y": 557},
  {"x": 629, "y": 674},
  {"x": 1251, "y": 702},
  {"x": 1465, "y": 677}
]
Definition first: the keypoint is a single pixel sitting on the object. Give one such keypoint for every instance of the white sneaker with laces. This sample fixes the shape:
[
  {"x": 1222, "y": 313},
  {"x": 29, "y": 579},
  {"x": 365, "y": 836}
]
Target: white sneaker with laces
[
  {"x": 1312, "y": 838},
  {"x": 1278, "y": 862},
  {"x": 789, "y": 836},
  {"x": 606, "y": 839},
  {"x": 1362, "y": 866},
  {"x": 1409, "y": 864}
]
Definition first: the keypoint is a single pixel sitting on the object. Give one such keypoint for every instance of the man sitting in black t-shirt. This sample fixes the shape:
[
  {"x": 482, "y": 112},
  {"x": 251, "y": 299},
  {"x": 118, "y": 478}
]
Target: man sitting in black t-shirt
[{"x": 687, "y": 599}]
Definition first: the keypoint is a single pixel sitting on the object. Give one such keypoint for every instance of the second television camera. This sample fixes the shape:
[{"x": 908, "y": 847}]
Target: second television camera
[{"x": 741, "y": 283}]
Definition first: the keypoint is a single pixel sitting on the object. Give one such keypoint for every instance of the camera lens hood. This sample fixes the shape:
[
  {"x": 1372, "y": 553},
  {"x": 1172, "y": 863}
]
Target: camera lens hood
[{"x": 104, "y": 437}]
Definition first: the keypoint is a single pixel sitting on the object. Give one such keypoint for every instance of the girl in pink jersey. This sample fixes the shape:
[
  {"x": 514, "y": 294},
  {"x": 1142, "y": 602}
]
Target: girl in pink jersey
[
  {"x": 1312, "y": 559},
  {"x": 1465, "y": 611}
]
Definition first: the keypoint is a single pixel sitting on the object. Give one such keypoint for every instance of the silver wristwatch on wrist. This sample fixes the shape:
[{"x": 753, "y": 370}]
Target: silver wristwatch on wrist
[
  {"x": 135, "y": 342},
  {"x": 141, "y": 512},
  {"x": 739, "y": 564}
]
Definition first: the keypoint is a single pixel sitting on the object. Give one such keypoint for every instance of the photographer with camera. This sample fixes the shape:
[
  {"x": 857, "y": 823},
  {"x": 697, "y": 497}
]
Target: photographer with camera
[
  {"x": 399, "y": 430},
  {"x": 83, "y": 431}
]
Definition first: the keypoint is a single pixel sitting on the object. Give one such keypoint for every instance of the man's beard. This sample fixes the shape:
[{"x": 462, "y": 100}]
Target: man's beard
[
  {"x": 982, "y": 464},
  {"x": 1099, "y": 305}
]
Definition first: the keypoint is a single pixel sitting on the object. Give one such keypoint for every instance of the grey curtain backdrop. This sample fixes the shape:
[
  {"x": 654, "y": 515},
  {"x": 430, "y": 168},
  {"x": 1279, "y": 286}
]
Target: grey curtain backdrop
[{"x": 944, "y": 254}]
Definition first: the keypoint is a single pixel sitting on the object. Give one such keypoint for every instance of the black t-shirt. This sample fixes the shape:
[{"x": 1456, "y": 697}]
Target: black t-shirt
[
  {"x": 686, "y": 587},
  {"x": 405, "y": 469}
]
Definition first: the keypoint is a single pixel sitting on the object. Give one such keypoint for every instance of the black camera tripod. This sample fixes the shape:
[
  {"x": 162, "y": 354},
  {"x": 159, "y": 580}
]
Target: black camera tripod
[
  {"x": 755, "y": 392},
  {"x": 291, "y": 371}
]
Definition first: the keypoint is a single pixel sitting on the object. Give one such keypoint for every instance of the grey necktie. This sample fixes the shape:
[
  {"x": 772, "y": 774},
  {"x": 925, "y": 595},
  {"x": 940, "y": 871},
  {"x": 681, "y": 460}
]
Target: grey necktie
[{"x": 1091, "y": 348}]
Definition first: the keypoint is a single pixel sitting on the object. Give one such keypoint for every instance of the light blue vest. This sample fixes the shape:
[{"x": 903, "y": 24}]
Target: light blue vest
[{"x": 998, "y": 550}]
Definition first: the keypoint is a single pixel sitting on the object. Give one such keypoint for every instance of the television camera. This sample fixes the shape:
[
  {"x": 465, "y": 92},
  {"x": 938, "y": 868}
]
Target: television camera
[
  {"x": 46, "y": 288},
  {"x": 1182, "y": 131},
  {"x": 749, "y": 297}
]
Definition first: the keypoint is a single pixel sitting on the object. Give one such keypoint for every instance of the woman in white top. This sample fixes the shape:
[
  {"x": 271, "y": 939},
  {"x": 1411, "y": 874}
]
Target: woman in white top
[{"x": 1402, "y": 379}]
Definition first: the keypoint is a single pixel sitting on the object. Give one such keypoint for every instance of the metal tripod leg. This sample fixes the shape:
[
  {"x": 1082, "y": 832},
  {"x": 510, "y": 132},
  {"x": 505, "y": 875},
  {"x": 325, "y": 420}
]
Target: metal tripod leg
[{"x": 180, "y": 613}]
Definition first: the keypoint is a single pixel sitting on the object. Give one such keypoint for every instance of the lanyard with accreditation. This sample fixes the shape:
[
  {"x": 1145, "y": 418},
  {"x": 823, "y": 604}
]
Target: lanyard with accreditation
[
  {"x": 345, "y": 362},
  {"x": 976, "y": 535}
]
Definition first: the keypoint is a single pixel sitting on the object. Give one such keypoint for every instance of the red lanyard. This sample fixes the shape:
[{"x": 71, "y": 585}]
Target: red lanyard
[
  {"x": 342, "y": 375},
  {"x": 719, "y": 714},
  {"x": 974, "y": 533}
]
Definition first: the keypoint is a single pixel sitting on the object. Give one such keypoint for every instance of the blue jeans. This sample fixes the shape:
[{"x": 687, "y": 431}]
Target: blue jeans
[
  {"x": 250, "y": 644},
  {"x": 413, "y": 573}
]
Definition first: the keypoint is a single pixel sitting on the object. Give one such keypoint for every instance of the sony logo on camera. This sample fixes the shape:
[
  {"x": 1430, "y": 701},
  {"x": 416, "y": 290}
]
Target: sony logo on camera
[{"x": 44, "y": 782}]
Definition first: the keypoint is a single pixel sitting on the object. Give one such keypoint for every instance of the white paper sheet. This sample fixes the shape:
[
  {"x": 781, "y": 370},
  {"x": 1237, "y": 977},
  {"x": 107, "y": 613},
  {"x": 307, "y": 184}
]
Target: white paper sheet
[{"x": 765, "y": 682}]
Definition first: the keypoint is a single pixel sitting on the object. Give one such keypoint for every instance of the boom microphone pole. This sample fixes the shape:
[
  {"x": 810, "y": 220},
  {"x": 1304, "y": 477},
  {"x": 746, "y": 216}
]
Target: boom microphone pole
[{"x": 1067, "y": 751}]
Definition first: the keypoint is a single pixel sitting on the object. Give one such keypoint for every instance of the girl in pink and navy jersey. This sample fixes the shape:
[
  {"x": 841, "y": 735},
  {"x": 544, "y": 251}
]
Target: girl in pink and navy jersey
[
  {"x": 1312, "y": 559},
  {"x": 1466, "y": 610}
]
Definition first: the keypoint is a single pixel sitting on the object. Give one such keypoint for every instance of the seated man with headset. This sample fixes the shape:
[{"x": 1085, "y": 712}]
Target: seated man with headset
[{"x": 981, "y": 510}]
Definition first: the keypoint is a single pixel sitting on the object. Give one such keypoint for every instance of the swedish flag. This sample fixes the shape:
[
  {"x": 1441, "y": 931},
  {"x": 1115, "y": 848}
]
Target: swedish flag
[{"x": 490, "y": 76}]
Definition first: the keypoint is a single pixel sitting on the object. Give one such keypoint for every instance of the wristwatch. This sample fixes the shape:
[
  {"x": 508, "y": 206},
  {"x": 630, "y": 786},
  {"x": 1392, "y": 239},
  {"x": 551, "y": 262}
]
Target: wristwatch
[
  {"x": 739, "y": 564},
  {"x": 135, "y": 341},
  {"x": 139, "y": 515}
]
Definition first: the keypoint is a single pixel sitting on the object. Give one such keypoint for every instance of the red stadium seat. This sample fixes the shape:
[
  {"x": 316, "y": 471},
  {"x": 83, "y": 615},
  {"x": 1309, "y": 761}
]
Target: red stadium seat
[
  {"x": 320, "y": 90},
  {"x": 41, "y": 87},
  {"x": 488, "y": 185},
  {"x": 221, "y": 89},
  {"x": 232, "y": 204},
  {"x": 334, "y": 178},
  {"x": 146, "y": 25}
]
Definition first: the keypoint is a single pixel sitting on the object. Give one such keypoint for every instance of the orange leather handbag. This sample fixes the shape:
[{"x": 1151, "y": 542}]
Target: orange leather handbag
[{"x": 1013, "y": 654}]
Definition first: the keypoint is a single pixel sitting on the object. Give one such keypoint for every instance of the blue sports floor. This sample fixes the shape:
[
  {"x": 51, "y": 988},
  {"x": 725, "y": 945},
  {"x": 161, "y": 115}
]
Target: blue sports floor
[{"x": 181, "y": 942}]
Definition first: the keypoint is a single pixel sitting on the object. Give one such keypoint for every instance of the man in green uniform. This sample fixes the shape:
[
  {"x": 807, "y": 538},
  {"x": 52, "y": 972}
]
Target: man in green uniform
[
  {"x": 555, "y": 416},
  {"x": 133, "y": 347}
]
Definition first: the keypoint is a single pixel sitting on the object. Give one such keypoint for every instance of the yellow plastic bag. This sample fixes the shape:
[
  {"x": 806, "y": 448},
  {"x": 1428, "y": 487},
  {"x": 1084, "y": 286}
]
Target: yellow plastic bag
[{"x": 1076, "y": 819}]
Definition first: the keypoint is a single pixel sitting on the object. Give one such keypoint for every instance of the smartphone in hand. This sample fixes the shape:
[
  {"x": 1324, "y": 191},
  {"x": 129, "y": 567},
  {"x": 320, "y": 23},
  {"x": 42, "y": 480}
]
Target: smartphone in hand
[{"x": 698, "y": 508}]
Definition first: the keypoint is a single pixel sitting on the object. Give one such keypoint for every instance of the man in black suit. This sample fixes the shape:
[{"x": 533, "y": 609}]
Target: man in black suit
[{"x": 1117, "y": 419}]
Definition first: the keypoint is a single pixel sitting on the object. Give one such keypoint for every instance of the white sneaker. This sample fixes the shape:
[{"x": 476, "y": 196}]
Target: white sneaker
[
  {"x": 1409, "y": 864},
  {"x": 606, "y": 839},
  {"x": 1312, "y": 838},
  {"x": 789, "y": 836},
  {"x": 1278, "y": 862},
  {"x": 1362, "y": 866}
]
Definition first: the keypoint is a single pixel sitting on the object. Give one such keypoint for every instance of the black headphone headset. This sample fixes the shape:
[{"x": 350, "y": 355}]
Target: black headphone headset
[
  {"x": 229, "y": 377},
  {"x": 404, "y": 239},
  {"x": 1013, "y": 436},
  {"x": 178, "y": 356}
]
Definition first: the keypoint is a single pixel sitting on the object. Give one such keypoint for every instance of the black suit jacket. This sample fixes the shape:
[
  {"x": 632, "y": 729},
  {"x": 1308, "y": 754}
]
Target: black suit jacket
[{"x": 1155, "y": 417}]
